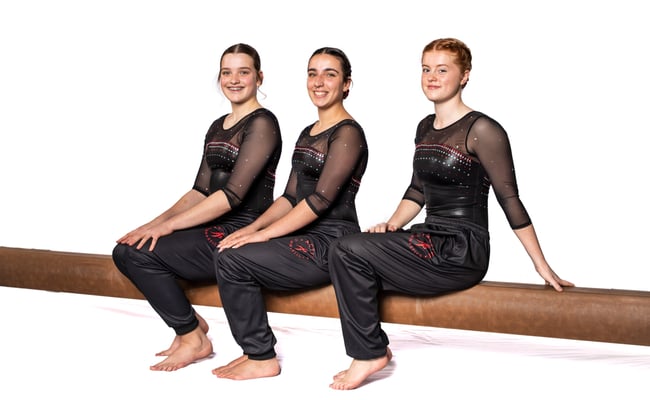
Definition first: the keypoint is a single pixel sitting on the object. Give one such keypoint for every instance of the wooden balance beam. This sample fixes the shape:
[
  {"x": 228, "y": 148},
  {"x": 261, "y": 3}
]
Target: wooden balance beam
[{"x": 603, "y": 315}]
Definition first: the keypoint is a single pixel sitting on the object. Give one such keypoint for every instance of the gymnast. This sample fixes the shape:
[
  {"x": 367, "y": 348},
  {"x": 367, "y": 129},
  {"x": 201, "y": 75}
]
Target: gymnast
[
  {"x": 233, "y": 186},
  {"x": 459, "y": 154}
]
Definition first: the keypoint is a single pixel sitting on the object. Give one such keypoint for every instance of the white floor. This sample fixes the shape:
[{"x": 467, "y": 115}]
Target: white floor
[{"x": 72, "y": 346}]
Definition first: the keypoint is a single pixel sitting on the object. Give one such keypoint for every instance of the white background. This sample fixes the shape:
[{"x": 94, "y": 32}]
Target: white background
[{"x": 104, "y": 106}]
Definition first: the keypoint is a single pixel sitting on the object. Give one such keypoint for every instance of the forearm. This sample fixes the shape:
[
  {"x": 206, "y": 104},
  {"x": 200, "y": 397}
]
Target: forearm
[
  {"x": 529, "y": 240},
  {"x": 280, "y": 207},
  {"x": 186, "y": 202},
  {"x": 207, "y": 209},
  {"x": 298, "y": 217},
  {"x": 405, "y": 212}
]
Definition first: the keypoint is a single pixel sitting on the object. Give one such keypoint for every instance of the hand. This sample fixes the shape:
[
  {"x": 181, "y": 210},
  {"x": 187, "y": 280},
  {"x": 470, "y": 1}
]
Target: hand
[
  {"x": 134, "y": 236},
  {"x": 551, "y": 278},
  {"x": 142, "y": 234},
  {"x": 240, "y": 238},
  {"x": 382, "y": 228}
]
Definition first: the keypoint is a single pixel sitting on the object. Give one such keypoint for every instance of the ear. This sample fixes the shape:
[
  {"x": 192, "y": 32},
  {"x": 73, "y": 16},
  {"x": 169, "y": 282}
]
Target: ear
[
  {"x": 464, "y": 79},
  {"x": 260, "y": 78},
  {"x": 347, "y": 85}
]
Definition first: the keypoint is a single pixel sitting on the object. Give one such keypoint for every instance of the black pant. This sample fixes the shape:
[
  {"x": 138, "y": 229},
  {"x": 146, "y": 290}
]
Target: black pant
[
  {"x": 282, "y": 264},
  {"x": 185, "y": 254},
  {"x": 430, "y": 259}
]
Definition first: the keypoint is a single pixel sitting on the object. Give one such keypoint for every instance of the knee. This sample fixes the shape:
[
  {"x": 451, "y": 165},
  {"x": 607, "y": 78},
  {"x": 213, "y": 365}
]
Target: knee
[
  {"x": 228, "y": 266},
  {"x": 119, "y": 256},
  {"x": 346, "y": 245},
  {"x": 218, "y": 259},
  {"x": 124, "y": 256}
]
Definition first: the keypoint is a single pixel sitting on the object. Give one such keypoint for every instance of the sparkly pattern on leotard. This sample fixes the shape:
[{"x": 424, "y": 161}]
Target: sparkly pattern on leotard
[
  {"x": 327, "y": 170},
  {"x": 454, "y": 167},
  {"x": 234, "y": 160}
]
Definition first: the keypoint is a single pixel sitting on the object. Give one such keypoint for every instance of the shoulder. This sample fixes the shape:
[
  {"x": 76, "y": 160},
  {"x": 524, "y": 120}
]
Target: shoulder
[
  {"x": 479, "y": 122},
  {"x": 424, "y": 126},
  {"x": 261, "y": 122},
  {"x": 426, "y": 122},
  {"x": 348, "y": 124},
  {"x": 216, "y": 126},
  {"x": 348, "y": 128},
  {"x": 263, "y": 114},
  {"x": 218, "y": 123}
]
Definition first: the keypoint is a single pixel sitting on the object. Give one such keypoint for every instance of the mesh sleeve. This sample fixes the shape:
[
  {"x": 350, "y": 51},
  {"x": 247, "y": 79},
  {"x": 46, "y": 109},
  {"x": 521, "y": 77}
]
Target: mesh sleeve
[
  {"x": 489, "y": 141},
  {"x": 202, "y": 181},
  {"x": 345, "y": 149},
  {"x": 414, "y": 192},
  {"x": 291, "y": 190},
  {"x": 258, "y": 145}
]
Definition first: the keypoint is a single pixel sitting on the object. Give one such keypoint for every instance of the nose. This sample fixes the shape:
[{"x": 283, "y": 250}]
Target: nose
[{"x": 317, "y": 81}]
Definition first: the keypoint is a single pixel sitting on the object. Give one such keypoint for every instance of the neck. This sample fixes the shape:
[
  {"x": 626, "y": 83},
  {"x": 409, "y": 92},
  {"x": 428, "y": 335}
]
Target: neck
[
  {"x": 330, "y": 116},
  {"x": 239, "y": 111},
  {"x": 449, "y": 112}
]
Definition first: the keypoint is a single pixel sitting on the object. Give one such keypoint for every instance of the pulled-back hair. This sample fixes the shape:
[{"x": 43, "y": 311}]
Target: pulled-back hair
[
  {"x": 244, "y": 48},
  {"x": 454, "y": 46},
  {"x": 343, "y": 59}
]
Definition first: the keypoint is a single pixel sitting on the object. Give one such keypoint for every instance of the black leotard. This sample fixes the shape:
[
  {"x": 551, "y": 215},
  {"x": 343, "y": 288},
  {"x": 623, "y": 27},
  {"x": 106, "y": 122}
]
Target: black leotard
[
  {"x": 241, "y": 161},
  {"x": 326, "y": 172},
  {"x": 453, "y": 169}
]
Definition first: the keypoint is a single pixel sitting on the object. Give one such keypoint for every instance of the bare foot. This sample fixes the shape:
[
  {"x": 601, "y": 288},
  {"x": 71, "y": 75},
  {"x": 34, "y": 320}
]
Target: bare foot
[
  {"x": 359, "y": 371},
  {"x": 231, "y": 364},
  {"x": 192, "y": 347},
  {"x": 245, "y": 368},
  {"x": 341, "y": 374},
  {"x": 177, "y": 339}
]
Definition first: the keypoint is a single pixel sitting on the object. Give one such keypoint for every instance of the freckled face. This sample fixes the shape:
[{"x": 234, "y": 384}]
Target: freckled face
[
  {"x": 325, "y": 80},
  {"x": 442, "y": 78},
  {"x": 238, "y": 78}
]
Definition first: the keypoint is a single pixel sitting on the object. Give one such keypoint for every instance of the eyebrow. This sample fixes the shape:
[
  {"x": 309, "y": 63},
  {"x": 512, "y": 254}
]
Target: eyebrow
[
  {"x": 326, "y": 69},
  {"x": 236, "y": 68}
]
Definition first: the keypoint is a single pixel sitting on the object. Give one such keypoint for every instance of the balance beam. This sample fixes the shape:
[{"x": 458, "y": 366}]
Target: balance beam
[{"x": 602, "y": 315}]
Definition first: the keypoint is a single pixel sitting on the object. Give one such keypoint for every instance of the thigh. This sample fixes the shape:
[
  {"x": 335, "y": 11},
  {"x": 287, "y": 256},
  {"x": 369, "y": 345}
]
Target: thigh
[
  {"x": 287, "y": 263},
  {"x": 418, "y": 263},
  {"x": 189, "y": 252}
]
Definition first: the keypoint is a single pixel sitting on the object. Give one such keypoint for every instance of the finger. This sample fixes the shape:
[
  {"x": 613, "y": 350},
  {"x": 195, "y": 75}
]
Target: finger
[{"x": 555, "y": 285}]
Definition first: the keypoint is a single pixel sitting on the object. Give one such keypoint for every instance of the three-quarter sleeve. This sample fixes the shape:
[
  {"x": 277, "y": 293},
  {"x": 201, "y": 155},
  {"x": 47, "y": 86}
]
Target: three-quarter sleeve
[
  {"x": 258, "y": 144},
  {"x": 490, "y": 143},
  {"x": 345, "y": 150}
]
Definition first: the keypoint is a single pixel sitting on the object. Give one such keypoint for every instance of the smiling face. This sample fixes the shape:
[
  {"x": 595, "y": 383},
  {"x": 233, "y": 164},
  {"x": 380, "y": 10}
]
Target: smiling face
[
  {"x": 325, "y": 81},
  {"x": 442, "y": 78},
  {"x": 238, "y": 78}
]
